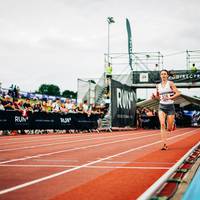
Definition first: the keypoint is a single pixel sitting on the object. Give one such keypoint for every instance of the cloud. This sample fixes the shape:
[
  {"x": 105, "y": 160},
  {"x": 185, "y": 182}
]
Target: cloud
[{"x": 59, "y": 41}]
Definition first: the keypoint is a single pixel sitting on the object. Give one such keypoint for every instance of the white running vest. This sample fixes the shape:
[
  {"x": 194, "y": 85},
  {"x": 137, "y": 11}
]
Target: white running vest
[{"x": 165, "y": 92}]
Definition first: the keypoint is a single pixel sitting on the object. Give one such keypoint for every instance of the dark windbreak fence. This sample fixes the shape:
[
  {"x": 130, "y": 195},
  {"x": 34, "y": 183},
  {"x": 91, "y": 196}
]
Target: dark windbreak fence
[{"x": 14, "y": 120}]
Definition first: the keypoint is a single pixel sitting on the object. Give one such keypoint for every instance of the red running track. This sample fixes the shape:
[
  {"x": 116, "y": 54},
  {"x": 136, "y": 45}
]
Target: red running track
[{"x": 118, "y": 165}]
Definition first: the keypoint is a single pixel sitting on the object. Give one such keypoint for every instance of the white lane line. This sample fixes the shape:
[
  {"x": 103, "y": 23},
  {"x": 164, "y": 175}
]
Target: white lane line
[
  {"x": 67, "y": 142},
  {"x": 60, "y": 160},
  {"x": 126, "y": 162},
  {"x": 110, "y": 162},
  {"x": 28, "y": 137},
  {"x": 49, "y": 137},
  {"x": 74, "y": 149},
  {"x": 96, "y": 166},
  {"x": 70, "y": 170},
  {"x": 36, "y": 139},
  {"x": 17, "y": 187}
]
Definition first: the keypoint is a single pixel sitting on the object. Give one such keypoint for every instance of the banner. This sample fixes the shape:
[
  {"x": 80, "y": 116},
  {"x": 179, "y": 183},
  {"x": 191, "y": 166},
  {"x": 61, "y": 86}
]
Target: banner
[
  {"x": 14, "y": 120},
  {"x": 178, "y": 76},
  {"x": 128, "y": 27},
  {"x": 123, "y": 105}
]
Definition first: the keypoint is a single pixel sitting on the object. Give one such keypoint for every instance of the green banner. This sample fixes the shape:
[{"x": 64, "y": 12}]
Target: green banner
[{"x": 128, "y": 27}]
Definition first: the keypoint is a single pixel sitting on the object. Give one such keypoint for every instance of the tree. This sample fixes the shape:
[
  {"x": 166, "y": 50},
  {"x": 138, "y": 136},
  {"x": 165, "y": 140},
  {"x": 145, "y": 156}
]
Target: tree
[
  {"x": 69, "y": 94},
  {"x": 49, "y": 89}
]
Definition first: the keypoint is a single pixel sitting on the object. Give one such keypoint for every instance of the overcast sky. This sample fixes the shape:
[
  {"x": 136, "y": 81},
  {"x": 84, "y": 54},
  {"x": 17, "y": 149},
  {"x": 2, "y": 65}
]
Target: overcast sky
[{"x": 58, "y": 41}]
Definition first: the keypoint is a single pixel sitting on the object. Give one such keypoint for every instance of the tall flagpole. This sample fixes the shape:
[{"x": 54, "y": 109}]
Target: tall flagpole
[{"x": 110, "y": 20}]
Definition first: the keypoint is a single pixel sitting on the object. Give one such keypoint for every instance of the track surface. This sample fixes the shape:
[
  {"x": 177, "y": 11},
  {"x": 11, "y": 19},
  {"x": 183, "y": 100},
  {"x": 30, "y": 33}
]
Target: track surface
[{"x": 118, "y": 165}]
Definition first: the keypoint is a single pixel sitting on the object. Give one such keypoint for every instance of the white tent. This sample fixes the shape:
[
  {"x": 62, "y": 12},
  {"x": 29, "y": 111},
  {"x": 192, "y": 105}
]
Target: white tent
[{"x": 182, "y": 100}]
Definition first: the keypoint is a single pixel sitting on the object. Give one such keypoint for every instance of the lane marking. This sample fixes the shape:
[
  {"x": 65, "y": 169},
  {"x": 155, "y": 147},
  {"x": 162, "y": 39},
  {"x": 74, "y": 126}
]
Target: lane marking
[
  {"x": 110, "y": 162},
  {"x": 74, "y": 149},
  {"x": 69, "y": 170},
  {"x": 20, "y": 186},
  {"x": 48, "y": 160},
  {"x": 63, "y": 136},
  {"x": 45, "y": 136},
  {"x": 126, "y": 162},
  {"x": 57, "y": 137},
  {"x": 96, "y": 166},
  {"x": 68, "y": 142}
]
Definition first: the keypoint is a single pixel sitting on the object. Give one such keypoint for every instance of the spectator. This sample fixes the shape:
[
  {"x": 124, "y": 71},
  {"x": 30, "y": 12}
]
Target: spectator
[
  {"x": 7, "y": 103},
  {"x": 27, "y": 105},
  {"x": 20, "y": 104},
  {"x": 93, "y": 108},
  {"x": 69, "y": 106},
  {"x": 11, "y": 91},
  {"x": 37, "y": 107},
  {"x": 16, "y": 104},
  {"x": 79, "y": 108},
  {"x": 56, "y": 105},
  {"x": 44, "y": 106},
  {"x": 1, "y": 105},
  {"x": 193, "y": 68},
  {"x": 85, "y": 107},
  {"x": 49, "y": 105},
  {"x": 138, "y": 118},
  {"x": 63, "y": 108},
  {"x": 149, "y": 113}
]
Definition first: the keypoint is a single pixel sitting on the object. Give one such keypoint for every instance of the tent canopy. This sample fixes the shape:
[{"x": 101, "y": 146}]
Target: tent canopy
[{"x": 182, "y": 100}]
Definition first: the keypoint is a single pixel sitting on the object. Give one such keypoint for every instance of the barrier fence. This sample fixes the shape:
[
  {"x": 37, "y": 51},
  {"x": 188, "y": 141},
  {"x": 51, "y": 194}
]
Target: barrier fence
[{"x": 14, "y": 120}]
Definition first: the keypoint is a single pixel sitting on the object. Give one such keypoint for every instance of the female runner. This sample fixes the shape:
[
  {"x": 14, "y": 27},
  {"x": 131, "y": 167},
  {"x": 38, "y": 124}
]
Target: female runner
[{"x": 166, "y": 92}]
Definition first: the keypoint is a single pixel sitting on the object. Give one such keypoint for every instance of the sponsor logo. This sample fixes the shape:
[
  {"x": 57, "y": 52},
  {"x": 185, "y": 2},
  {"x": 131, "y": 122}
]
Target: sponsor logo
[
  {"x": 144, "y": 77},
  {"x": 65, "y": 120},
  {"x": 186, "y": 76},
  {"x": 20, "y": 119},
  {"x": 124, "y": 99}
]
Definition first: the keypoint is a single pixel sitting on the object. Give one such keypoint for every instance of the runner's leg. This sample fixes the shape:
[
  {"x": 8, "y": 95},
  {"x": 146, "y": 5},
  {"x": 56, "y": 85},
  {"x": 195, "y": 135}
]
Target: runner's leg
[
  {"x": 162, "y": 117},
  {"x": 170, "y": 122}
]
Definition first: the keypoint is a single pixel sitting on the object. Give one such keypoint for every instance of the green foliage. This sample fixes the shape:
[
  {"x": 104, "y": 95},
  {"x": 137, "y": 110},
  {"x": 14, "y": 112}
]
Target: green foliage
[
  {"x": 69, "y": 94},
  {"x": 54, "y": 90},
  {"x": 49, "y": 89}
]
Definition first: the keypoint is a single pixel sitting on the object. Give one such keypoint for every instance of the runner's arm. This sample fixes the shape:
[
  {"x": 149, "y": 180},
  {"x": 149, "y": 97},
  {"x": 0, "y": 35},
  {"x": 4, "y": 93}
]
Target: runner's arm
[{"x": 175, "y": 90}]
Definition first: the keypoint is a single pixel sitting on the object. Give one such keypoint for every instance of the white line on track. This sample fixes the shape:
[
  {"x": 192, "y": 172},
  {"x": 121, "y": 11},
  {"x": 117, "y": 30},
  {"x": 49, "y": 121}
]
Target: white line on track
[
  {"x": 74, "y": 149},
  {"x": 17, "y": 187},
  {"x": 26, "y": 137},
  {"x": 96, "y": 166},
  {"x": 48, "y": 160},
  {"x": 110, "y": 162},
  {"x": 45, "y": 136},
  {"x": 67, "y": 142}
]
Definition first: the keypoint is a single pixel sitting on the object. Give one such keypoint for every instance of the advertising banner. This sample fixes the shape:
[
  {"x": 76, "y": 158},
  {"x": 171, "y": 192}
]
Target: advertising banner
[
  {"x": 178, "y": 76},
  {"x": 123, "y": 105},
  {"x": 14, "y": 120}
]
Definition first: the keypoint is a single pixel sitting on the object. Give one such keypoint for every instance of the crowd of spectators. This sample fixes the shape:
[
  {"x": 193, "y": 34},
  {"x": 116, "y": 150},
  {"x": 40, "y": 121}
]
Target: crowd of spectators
[
  {"x": 147, "y": 118},
  {"x": 11, "y": 100},
  {"x": 9, "y": 103}
]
